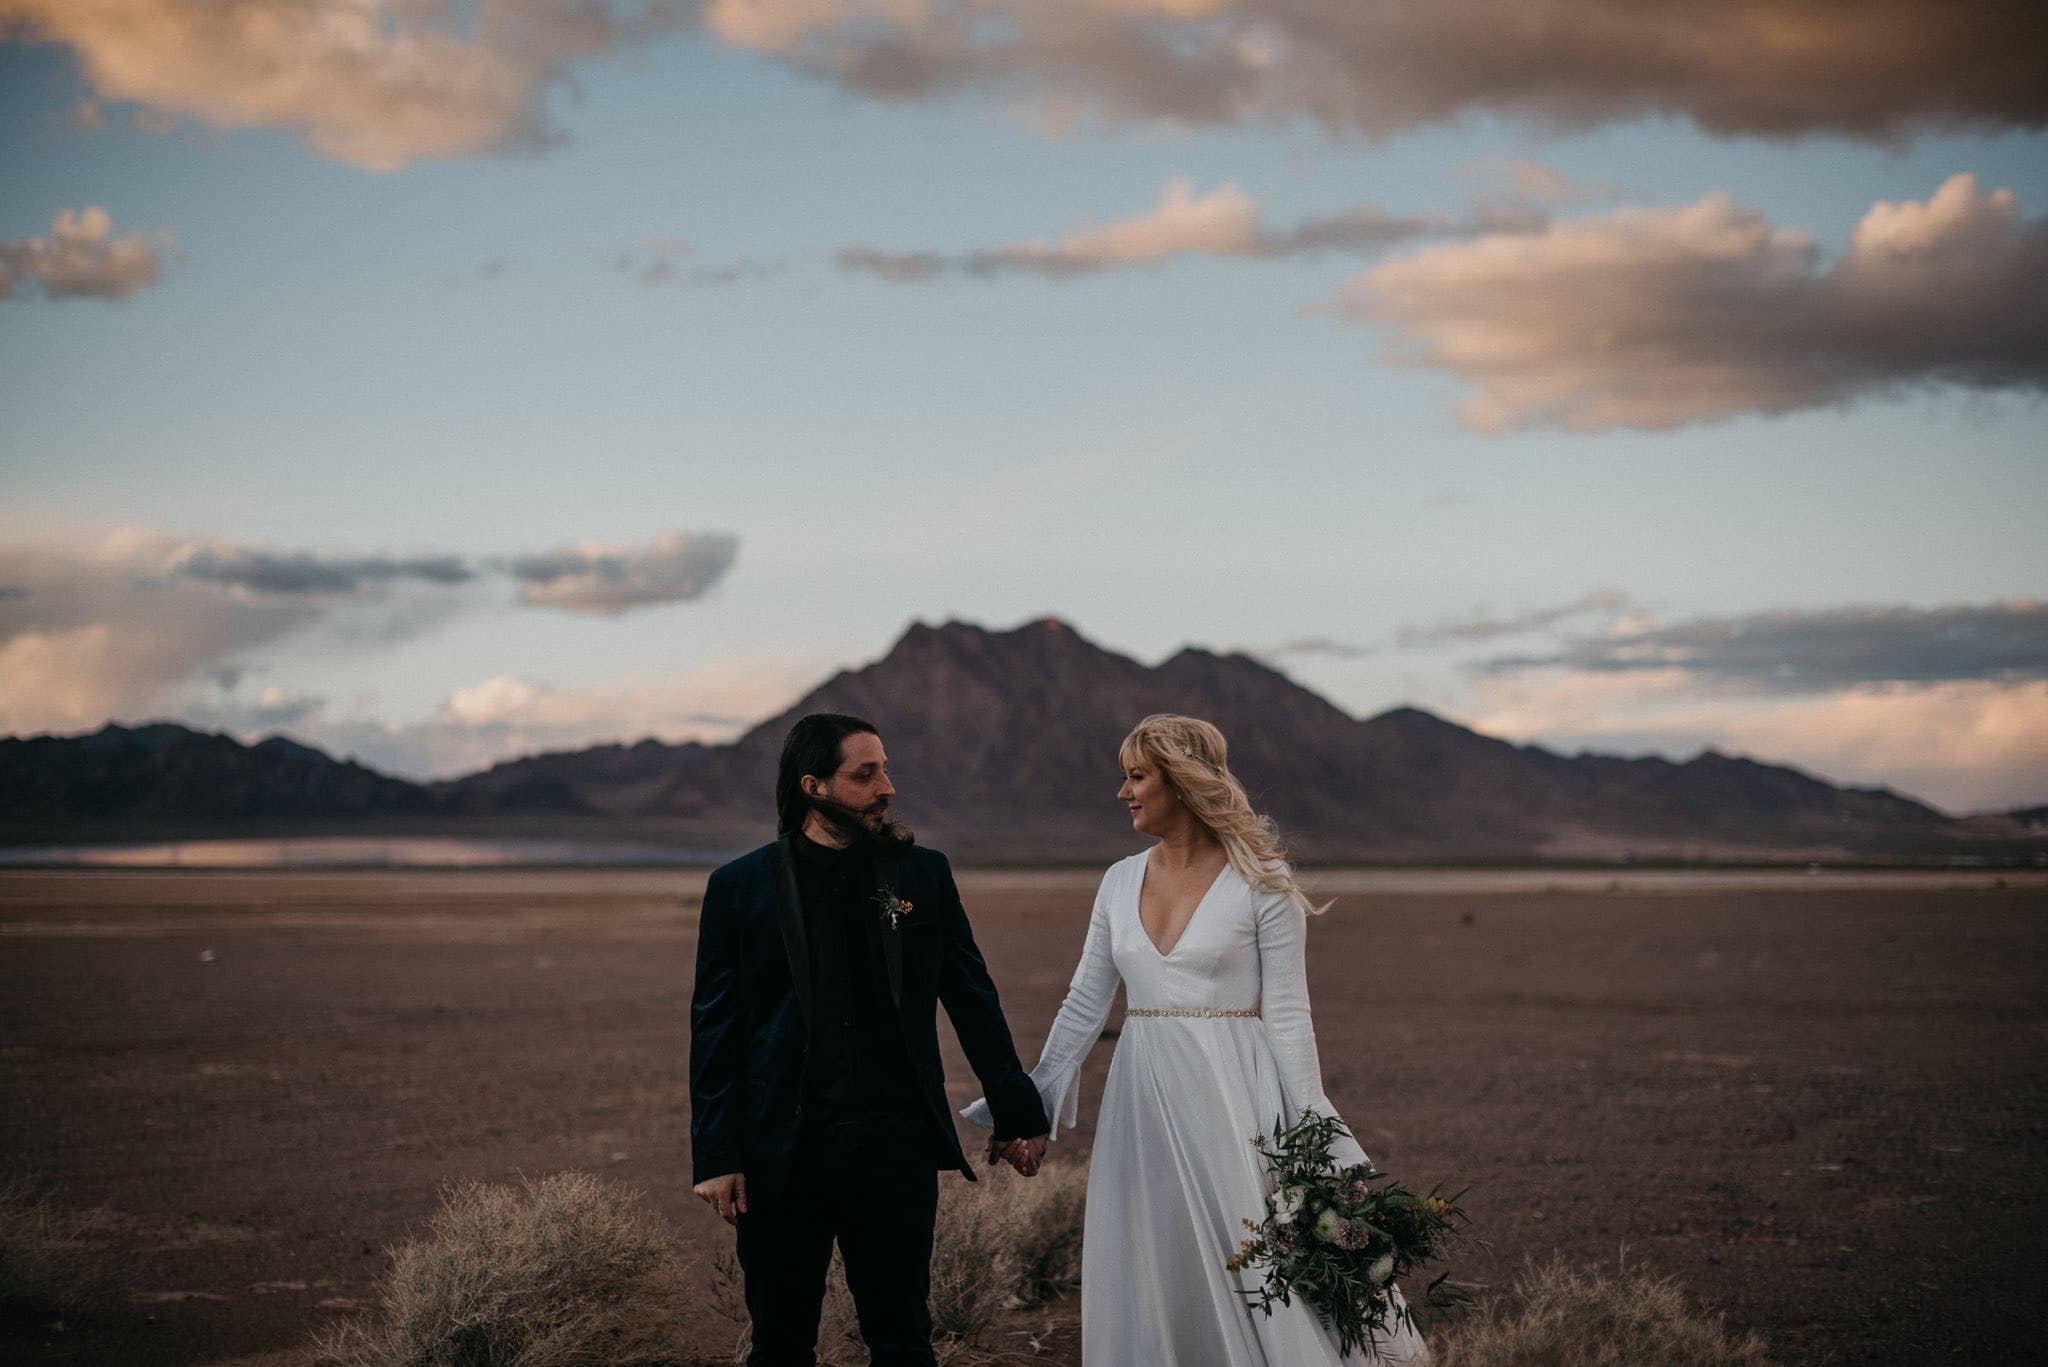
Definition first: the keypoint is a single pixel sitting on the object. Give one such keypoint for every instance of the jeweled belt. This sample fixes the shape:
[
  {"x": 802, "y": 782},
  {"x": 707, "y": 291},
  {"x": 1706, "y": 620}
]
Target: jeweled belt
[{"x": 1188, "y": 1011}]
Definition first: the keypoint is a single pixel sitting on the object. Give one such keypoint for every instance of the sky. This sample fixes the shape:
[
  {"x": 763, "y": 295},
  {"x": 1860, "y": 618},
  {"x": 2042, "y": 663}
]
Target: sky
[{"x": 444, "y": 382}]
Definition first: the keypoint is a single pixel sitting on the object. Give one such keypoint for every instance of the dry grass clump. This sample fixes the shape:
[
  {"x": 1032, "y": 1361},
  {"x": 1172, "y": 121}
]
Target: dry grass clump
[
  {"x": 55, "y": 1257},
  {"x": 561, "y": 1272},
  {"x": 1559, "y": 1316},
  {"x": 1000, "y": 1243},
  {"x": 1044, "y": 1221}
]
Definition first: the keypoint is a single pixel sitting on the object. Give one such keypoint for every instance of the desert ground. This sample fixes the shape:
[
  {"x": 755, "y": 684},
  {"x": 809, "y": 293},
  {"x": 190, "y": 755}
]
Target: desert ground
[{"x": 1816, "y": 1100}]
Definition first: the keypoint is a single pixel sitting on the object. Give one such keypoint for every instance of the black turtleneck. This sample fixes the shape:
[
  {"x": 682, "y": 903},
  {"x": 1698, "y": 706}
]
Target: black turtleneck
[{"x": 859, "y": 1066}]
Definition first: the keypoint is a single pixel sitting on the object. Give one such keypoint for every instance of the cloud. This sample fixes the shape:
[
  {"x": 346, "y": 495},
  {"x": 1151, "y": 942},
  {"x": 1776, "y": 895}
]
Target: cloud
[
  {"x": 657, "y": 261},
  {"x": 1329, "y": 647},
  {"x": 1878, "y": 70},
  {"x": 274, "y": 709},
  {"x": 107, "y": 628},
  {"x": 1653, "y": 318},
  {"x": 1948, "y": 704},
  {"x": 1965, "y": 745},
  {"x": 378, "y": 84},
  {"x": 272, "y": 571},
  {"x": 732, "y": 272},
  {"x": 505, "y": 717},
  {"x": 651, "y": 260},
  {"x": 607, "y": 578},
  {"x": 130, "y": 622},
  {"x": 1486, "y": 628},
  {"x": 82, "y": 258},
  {"x": 1224, "y": 222},
  {"x": 1801, "y": 651}
]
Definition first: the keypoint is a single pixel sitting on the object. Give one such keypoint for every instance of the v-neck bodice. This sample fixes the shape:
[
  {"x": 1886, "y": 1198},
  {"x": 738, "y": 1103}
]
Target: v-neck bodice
[
  {"x": 1213, "y": 963},
  {"x": 1144, "y": 869}
]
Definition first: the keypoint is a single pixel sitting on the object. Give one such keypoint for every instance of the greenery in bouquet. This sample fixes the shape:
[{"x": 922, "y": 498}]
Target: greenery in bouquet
[{"x": 1340, "y": 1237}]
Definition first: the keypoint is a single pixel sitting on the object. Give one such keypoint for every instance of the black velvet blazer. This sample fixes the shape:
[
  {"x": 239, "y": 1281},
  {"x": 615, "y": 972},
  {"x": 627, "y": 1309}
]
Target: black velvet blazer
[{"x": 750, "y": 1014}]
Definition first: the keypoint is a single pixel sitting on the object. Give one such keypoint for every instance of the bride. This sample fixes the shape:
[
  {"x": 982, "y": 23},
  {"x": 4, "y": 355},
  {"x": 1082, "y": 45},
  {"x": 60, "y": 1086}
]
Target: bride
[{"x": 1205, "y": 930}]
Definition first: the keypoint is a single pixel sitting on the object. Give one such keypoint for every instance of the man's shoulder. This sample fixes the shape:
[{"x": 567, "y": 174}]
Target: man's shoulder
[
  {"x": 753, "y": 864},
  {"x": 925, "y": 859}
]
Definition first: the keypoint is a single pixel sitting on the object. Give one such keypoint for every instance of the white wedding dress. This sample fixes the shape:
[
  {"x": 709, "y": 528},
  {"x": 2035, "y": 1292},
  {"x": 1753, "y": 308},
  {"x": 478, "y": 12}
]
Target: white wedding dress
[{"x": 1173, "y": 1174}]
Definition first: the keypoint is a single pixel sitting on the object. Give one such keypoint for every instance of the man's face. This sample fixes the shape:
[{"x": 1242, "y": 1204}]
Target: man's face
[{"x": 861, "y": 783}]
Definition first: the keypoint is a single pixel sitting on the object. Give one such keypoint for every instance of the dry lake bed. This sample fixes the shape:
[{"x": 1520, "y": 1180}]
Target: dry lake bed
[{"x": 1815, "y": 1100}]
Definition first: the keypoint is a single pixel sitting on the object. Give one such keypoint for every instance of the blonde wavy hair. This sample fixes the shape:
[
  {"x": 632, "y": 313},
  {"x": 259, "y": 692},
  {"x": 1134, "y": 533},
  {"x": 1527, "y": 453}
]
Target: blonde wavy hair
[{"x": 1192, "y": 757}]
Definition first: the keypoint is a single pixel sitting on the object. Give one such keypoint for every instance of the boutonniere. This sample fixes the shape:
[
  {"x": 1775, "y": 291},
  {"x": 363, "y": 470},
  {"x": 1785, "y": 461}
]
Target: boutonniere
[{"x": 894, "y": 908}]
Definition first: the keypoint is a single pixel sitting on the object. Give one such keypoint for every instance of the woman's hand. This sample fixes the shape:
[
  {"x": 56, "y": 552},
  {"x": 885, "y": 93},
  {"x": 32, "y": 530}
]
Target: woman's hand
[{"x": 1022, "y": 1154}]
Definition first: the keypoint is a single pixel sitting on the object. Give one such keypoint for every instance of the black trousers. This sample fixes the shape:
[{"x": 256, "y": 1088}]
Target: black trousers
[{"x": 873, "y": 1186}]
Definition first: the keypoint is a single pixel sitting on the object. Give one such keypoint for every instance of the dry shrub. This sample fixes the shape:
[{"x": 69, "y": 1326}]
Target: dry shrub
[
  {"x": 561, "y": 1272},
  {"x": 1045, "y": 1227},
  {"x": 1559, "y": 1316},
  {"x": 55, "y": 1257},
  {"x": 999, "y": 1243}
]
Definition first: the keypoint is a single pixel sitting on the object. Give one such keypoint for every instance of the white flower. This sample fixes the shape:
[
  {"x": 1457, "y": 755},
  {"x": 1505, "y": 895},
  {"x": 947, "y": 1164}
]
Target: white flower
[
  {"x": 1287, "y": 1202},
  {"x": 1327, "y": 1226},
  {"x": 1382, "y": 1270}
]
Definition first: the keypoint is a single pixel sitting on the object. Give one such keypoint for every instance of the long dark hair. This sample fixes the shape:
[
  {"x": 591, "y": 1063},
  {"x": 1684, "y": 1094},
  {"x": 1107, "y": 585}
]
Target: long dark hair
[{"x": 813, "y": 747}]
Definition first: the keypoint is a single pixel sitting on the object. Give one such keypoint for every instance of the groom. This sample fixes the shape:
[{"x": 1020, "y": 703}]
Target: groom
[{"x": 817, "y": 1100}]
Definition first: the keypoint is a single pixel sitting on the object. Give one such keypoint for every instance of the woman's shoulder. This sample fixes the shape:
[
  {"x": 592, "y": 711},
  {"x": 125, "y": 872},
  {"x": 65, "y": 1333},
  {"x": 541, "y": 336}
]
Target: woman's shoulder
[
  {"x": 1126, "y": 867},
  {"x": 1266, "y": 899}
]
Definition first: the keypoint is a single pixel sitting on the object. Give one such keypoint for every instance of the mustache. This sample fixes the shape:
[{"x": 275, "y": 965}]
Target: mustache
[{"x": 851, "y": 823}]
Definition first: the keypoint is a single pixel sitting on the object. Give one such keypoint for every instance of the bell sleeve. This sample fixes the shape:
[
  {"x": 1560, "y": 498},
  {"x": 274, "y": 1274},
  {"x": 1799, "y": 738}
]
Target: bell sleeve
[{"x": 1074, "y": 1030}]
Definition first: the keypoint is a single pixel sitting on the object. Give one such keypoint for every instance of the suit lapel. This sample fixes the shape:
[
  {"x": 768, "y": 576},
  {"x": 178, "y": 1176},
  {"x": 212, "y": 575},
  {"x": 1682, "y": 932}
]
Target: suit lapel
[
  {"x": 790, "y": 918},
  {"x": 886, "y": 864}
]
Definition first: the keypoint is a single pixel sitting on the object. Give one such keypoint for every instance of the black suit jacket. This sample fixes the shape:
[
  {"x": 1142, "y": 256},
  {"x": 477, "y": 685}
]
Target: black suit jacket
[{"x": 750, "y": 1014}]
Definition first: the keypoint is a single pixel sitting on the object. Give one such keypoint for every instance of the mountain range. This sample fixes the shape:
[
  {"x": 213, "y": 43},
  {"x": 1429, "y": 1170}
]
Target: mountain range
[{"x": 1002, "y": 745}]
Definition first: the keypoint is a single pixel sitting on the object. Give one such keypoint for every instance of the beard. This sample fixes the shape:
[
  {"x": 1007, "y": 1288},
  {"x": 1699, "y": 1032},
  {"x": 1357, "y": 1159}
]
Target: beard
[{"x": 851, "y": 824}]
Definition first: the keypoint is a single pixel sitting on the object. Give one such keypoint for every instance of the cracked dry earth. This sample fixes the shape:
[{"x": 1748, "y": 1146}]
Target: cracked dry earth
[{"x": 1816, "y": 1101}]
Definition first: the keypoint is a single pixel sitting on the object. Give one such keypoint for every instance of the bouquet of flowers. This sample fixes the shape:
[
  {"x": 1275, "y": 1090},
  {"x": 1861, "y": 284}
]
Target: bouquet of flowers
[{"x": 1339, "y": 1242}]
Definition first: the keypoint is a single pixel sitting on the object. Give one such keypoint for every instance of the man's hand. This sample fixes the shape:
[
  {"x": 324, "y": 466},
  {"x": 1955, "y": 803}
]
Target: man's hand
[
  {"x": 1022, "y": 1154},
  {"x": 727, "y": 1195}
]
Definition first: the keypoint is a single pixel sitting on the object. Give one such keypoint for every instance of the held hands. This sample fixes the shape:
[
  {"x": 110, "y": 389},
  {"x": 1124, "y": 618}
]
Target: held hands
[
  {"x": 727, "y": 1195},
  {"x": 1022, "y": 1154}
]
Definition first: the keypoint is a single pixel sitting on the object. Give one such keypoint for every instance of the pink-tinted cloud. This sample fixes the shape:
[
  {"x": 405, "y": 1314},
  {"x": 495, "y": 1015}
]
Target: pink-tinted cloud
[
  {"x": 133, "y": 621},
  {"x": 1654, "y": 318},
  {"x": 1878, "y": 69},
  {"x": 1948, "y": 704},
  {"x": 1965, "y": 745},
  {"x": 505, "y": 717},
  {"x": 1224, "y": 222},
  {"x": 375, "y": 83}
]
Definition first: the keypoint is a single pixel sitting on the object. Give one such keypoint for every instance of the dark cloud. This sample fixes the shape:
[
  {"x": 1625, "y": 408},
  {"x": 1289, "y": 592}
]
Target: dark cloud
[
  {"x": 286, "y": 572},
  {"x": 1876, "y": 69},
  {"x": 596, "y": 577},
  {"x": 1801, "y": 651}
]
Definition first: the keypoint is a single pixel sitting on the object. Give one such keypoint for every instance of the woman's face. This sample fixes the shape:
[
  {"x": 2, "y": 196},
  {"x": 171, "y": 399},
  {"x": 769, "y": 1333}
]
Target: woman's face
[{"x": 1153, "y": 805}]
